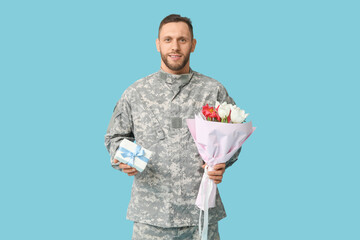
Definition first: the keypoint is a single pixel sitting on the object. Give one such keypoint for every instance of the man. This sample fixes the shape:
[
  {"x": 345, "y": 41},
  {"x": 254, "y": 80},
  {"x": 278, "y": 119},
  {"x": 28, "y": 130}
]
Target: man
[{"x": 153, "y": 111}]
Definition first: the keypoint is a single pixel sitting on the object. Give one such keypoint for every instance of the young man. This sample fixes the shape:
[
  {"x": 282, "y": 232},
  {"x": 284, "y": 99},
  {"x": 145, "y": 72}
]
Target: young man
[{"x": 153, "y": 111}]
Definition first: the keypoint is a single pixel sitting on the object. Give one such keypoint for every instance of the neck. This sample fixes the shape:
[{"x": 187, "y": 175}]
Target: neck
[{"x": 184, "y": 70}]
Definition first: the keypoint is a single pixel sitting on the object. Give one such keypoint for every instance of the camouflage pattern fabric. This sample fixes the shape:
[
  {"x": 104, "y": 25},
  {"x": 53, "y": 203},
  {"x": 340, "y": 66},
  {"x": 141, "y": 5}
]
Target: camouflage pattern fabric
[
  {"x": 153, "y": 111},
  {"x": 143, "y": 231}
]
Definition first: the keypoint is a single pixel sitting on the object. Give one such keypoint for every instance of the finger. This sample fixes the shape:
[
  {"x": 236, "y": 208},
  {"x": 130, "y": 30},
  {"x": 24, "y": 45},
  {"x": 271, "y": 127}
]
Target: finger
[
  {"x": 215, "y": 173},
  {"x": 216, "y": 178},
  {"x": 129, "y": 170},
  {"x": 116, "y": 161},
  {"x": 203, "y": 166},
  {"x": 133, "y": 173},
  {"x": 217, "y": 181},
  {"x": 124, "y": 166},
  {"x": 219, "y": 166}
]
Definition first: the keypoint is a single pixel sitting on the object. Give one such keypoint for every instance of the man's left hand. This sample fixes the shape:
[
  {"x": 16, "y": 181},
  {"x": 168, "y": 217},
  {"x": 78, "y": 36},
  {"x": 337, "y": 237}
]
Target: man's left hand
[{"x": 217, "y": 173}]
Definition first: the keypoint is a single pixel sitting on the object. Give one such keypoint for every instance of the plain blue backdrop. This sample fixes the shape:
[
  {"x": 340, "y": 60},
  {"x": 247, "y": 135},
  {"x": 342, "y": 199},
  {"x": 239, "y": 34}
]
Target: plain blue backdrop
[{"x": 293, "y": 65}]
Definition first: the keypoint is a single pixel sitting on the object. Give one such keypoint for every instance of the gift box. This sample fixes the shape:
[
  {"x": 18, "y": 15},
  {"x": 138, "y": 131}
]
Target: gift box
[{"x": 133, "y": 155}]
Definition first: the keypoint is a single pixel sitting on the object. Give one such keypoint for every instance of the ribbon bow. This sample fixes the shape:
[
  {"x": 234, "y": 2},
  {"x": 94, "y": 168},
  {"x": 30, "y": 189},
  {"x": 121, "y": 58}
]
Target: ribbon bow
[{"x": 139, "y": 153}]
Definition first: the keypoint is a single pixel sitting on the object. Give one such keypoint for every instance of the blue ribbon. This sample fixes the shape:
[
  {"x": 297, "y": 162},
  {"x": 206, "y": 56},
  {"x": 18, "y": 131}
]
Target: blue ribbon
[{"x": 139, "y": 153}]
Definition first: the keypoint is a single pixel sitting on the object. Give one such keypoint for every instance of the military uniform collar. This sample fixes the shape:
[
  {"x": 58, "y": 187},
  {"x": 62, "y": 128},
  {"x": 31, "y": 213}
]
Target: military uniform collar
[{"x": 175, "y": 78}]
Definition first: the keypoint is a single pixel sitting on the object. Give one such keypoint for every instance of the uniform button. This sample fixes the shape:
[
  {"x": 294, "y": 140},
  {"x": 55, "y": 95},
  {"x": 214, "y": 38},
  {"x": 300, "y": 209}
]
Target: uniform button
[{"x": 160, "y": 134}]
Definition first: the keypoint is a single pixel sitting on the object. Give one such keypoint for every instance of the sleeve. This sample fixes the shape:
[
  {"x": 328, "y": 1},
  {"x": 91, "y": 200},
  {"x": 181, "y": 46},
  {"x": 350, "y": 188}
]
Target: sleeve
[
  {"x": 120, "y": 127},
  {"x": 223, "y": 96}
]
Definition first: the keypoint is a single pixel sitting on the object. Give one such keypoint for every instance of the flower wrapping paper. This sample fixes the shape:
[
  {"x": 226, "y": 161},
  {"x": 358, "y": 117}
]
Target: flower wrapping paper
[
  {"x": 216, "y": 143},
  {"x": 133, "y": 155}
]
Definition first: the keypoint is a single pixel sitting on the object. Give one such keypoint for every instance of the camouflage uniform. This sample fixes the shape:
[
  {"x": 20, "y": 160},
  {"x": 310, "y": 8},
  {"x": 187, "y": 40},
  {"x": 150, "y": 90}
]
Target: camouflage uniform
[
  {"x": 144, "y": 231},
  {"x": 153, "y": 111}
]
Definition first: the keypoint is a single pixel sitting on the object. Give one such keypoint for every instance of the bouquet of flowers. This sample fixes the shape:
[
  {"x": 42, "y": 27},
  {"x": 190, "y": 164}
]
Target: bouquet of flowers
[
  {"x": 218, "y": 133},
  {"x": 224, "y": 112}
]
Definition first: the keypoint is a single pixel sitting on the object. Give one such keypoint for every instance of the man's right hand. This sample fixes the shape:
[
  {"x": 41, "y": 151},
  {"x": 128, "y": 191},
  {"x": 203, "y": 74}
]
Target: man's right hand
[{"x": 126, "y": 168}]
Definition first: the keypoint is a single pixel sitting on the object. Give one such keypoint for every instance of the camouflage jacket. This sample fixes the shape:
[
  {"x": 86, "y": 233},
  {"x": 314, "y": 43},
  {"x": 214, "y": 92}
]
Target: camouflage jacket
[{"x": 153, "y": 112}]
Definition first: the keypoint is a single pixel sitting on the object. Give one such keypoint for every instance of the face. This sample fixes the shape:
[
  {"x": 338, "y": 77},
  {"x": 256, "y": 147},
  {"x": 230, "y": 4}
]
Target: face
[{"x": 175, "y": 45}]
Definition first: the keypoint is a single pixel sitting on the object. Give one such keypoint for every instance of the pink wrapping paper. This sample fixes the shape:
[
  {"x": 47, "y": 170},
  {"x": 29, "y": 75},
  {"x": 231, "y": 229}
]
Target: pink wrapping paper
[{"x": 216, "y": 142}]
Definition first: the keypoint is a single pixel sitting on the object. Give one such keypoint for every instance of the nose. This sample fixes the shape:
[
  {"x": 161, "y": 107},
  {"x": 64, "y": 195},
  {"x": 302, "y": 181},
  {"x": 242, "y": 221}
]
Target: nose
[{"x": 175, "y": 45}]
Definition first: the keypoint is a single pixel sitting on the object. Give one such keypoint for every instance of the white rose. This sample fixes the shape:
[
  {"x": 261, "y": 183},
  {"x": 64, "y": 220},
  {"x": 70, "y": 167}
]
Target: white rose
[
  {"x": 238, "y": 115},
  {"x": 224, "y": 110}
]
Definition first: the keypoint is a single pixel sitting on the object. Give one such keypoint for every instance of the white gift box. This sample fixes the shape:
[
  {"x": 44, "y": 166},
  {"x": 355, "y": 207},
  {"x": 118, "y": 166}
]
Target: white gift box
[{"x": 133, "y": 155}]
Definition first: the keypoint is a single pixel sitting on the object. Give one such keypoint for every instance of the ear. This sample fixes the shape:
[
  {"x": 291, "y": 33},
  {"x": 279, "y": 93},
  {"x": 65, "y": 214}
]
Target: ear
[
  {"x": 158, "y": 44},
  {"x": 193, "y": 45}
]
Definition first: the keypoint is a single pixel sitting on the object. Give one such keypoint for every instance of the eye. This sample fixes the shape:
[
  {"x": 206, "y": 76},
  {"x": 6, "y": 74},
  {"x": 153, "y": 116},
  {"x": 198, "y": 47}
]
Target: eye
[
  {"x": 183, "y": 40},
  {"x": 167, "y": 40}
]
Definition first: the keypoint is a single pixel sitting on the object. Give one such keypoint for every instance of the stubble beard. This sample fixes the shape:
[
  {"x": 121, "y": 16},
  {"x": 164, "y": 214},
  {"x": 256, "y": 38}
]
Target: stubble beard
[{"x": 175, "y": 67}]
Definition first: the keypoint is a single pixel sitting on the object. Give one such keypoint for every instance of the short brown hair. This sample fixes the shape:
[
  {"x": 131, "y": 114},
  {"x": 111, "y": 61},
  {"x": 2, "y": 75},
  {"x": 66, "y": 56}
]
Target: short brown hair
[{"x": 177, "y": 18}]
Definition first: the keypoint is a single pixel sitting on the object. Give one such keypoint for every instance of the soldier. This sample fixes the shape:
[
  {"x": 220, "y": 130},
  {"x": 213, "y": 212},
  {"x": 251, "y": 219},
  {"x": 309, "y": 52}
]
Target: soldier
[{"x": 153, "y": 111}]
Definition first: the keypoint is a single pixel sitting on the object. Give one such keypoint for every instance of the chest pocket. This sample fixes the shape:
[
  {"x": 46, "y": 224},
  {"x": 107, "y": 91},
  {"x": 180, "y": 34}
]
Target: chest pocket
[{"x": 148, "y": 130}]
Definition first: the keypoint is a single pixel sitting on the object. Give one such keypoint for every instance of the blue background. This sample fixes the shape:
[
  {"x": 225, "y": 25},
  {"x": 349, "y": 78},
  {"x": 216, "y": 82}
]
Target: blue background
[{"x": 293, "y": 65}]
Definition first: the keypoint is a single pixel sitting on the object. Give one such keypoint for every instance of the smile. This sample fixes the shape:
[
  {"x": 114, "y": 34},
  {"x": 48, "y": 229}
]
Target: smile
[{"x": 175, "y": 57}]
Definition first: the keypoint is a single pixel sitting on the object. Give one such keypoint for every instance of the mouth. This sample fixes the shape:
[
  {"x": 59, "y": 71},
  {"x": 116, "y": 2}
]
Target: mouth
[{"x": 175, "y": 56}]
